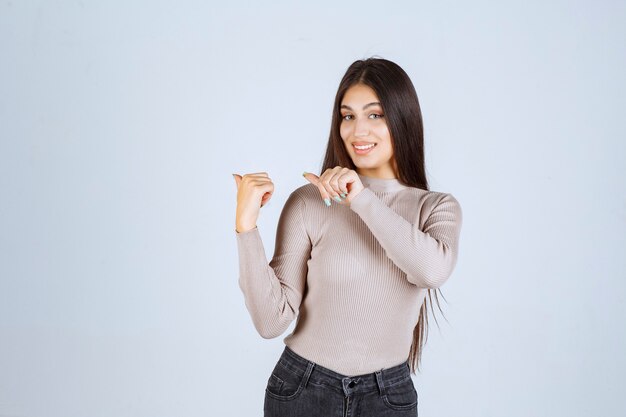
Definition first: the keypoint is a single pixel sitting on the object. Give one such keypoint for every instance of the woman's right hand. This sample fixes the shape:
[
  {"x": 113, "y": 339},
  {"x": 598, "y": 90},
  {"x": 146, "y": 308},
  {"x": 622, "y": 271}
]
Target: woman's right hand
[{"x": 253, "y": 192}]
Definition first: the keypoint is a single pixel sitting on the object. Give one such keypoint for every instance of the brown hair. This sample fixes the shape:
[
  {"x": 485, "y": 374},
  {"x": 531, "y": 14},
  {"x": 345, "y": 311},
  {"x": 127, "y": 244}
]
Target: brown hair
[{"x": 403, "y": 116}]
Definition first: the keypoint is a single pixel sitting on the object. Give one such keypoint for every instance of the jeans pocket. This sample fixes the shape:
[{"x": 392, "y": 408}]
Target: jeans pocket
[
  {"x": 284, "y": 384},
  {"x": 401, "y": 396},
  {"x": 274, "y": 384}
]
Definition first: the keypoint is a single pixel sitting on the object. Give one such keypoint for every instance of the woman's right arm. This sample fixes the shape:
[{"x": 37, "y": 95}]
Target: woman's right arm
[{"x": 273, "y": 291}]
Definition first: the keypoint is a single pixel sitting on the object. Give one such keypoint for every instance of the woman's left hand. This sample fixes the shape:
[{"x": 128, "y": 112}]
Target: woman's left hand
[{"x": 338, "y": 183}]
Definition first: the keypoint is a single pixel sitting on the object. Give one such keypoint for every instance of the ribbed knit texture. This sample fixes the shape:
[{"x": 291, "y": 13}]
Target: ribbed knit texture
[{"x": 355, "y": 276}]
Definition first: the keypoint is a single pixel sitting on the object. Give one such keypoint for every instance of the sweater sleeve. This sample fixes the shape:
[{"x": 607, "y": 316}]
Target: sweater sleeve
[
  {"x": 273, "y": 292},
  {"x": 427, "y": 256}
]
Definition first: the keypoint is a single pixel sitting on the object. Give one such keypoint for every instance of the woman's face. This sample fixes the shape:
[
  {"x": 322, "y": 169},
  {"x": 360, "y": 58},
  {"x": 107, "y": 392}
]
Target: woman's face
[{"x": 363, "y": 123}]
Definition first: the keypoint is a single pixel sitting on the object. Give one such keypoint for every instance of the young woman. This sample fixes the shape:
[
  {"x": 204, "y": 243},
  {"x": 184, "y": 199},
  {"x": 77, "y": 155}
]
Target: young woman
[{"x": 357, "y": 250}]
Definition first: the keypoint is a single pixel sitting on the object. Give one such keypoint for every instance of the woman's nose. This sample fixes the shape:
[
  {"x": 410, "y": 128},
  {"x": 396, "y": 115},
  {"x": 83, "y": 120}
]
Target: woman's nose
[{"x": 361, "y": 128}]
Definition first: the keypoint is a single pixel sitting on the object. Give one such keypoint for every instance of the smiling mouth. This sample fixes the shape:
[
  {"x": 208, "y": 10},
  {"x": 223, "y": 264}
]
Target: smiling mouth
[{"x": 363, "y": 149}]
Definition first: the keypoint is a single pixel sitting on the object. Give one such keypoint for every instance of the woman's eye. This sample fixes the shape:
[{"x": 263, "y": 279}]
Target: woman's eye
[{"x": 378, "y": 116}]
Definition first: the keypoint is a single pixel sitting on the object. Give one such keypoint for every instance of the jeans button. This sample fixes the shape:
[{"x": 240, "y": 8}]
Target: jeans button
[{"x": 351, "y": 384}]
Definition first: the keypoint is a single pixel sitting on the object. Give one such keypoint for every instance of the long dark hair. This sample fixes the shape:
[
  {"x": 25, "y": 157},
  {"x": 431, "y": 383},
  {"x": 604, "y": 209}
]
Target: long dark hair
[{"x": 403, "y": 115}]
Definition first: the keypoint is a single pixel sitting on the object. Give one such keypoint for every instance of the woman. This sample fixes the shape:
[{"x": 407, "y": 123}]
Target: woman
[{"x": 358, "y": 248}]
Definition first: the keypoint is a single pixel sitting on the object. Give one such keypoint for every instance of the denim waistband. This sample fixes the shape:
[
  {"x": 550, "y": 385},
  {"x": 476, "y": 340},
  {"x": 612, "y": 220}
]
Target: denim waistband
[{"x": 319, "y": 375}]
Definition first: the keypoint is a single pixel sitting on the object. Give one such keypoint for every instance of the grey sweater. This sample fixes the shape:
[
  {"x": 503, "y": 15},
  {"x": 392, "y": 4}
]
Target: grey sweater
[{"x": 355, "y": 276}]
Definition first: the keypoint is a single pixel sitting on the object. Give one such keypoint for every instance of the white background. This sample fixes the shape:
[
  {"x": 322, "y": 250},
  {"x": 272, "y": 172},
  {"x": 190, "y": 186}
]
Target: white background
[{"x": 120, "y": 126}]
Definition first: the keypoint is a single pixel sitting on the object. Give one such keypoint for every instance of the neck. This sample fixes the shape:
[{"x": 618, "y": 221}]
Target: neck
[{"x": 381, "y": 184}]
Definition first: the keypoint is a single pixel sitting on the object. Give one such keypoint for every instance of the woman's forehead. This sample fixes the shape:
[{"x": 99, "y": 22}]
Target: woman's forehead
[{"x": 359, "y": 96}]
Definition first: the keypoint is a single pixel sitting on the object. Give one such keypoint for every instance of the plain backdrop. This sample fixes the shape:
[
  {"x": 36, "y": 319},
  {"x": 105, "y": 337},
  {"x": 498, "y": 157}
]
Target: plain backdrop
[{"x": 120, "y": 126}]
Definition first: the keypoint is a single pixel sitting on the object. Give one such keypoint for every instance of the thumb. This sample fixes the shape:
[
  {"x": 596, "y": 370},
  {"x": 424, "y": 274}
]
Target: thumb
[
  {"x": 237, "y": 178},
  {"x": 311, "y": 177}
]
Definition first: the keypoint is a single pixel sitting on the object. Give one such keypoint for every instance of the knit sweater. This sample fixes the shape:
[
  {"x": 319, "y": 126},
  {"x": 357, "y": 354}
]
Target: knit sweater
[{"x": 354, "y": 275}]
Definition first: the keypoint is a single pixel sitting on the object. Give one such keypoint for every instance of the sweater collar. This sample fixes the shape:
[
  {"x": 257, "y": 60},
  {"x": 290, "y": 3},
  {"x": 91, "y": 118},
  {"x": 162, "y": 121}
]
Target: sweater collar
[{"x": 381, "y": 184}]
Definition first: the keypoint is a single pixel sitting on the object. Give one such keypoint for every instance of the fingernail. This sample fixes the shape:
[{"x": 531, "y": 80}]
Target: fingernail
[
  {"x": 343, "y": 195},
  {"x": 337, "y": 198},
  {"x": 327, "y": 201},
  {"x": 304, "y": 173}
]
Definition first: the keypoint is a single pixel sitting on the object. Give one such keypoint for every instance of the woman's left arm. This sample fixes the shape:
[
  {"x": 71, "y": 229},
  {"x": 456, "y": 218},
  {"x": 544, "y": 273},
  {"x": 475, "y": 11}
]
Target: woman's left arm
[{"x": 427, "y": 257}]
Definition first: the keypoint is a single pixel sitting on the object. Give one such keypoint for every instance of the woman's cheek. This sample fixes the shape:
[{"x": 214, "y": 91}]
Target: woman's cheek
[{"x": 344, "y": 133}]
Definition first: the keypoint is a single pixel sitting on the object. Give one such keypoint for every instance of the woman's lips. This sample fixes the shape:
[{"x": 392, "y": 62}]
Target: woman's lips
[{"x": 363, "y": 151}]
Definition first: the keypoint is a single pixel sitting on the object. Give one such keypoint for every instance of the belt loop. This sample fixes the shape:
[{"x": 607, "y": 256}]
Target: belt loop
[
  {"x": 308, "y": 372},
  {"x": 380, "y": 382}
]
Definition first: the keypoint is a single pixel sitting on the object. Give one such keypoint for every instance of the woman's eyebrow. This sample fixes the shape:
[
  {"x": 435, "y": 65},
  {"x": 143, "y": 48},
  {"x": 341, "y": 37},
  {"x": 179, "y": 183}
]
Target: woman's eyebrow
[{"x": 345, "y": 106}]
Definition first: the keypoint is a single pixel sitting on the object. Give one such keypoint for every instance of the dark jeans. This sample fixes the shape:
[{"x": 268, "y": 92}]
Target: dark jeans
[{"x": 298, "y": 387}]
